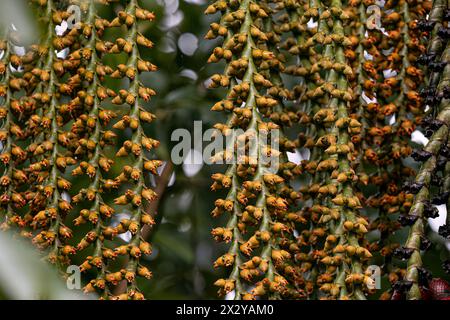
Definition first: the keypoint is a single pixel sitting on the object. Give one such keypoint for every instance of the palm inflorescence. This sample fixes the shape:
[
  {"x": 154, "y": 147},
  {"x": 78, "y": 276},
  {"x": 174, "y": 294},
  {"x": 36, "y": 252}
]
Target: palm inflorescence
[{"x": 342, "y": 86}]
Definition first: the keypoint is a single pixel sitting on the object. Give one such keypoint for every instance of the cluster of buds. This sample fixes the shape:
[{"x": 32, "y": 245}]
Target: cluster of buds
[
  {"x": 390, "y": 109},
  {"x": 37, "y": 200},
  {"x": 259, "y": 201},
  {"x": 295, "y": 231},
  {"x": 432, "y": 185},
  {"x": 335, "y": 241},
  {"x": 60, "y": 106},
  {"x": 358, "y": 98}
]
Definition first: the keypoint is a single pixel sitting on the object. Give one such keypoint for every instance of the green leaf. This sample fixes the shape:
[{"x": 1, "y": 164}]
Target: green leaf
[{"x": 23, "y": 275}]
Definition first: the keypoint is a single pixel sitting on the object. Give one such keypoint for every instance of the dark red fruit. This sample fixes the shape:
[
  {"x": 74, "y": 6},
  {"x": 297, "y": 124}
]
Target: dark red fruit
[{"x": 440, "y": 289}]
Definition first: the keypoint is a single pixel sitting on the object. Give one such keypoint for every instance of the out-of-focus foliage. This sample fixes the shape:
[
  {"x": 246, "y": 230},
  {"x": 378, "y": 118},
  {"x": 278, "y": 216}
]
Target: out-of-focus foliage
[{"x": 23, "y": 275}]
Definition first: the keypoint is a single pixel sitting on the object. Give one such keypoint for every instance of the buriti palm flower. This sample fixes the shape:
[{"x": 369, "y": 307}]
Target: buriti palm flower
[
  {"x": 307, "y": 44},
  {"x": 47, "y": 152},
  {"x": 75, "y": 158},
  {"x": 92, "y": 128},
  {"x": 411, "y": 105},
  {"x": 309, "y": 101},
  {"x": 66, "y": 109},
  {"x": 434, "y": 158},
  {"x": 10, "y": 133},
  {"x": 294, "y": 22},
  {"x": 26, "y": 105},
  {"x": 6, "y": 136},
  {"x": 255, "y": 201},
  {"x": 341, "y": 204},
  {"x": 285, "y": 113},
  {"x": 394, "y": 115},
  {"x": 313, "y": 67},
  {"x": 133, "y": 175},
  {"x": 343, "y": 253},
  {"x": 18, "y": 109},
  {"x": 370, "y": 165},
  {"x": 391, "y": 79}
]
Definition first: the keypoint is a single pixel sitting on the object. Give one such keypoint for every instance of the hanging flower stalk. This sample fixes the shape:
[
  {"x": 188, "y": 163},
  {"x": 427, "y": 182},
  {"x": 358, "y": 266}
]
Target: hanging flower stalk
[
  {"x": 385, "y": 144},
  {"x": 343, "y": 252},
  {"x": 356, "y": 57},
  {"x": 132, "y": 178},
  {"x": 371, "y": 167},
  {"x": 48, "y": 208},
  {"x": 68, "y": 91},
  {"x": 286, "y": 116},
  {"x": 434, "y": 157},
  {"x": 255, "y": 201},
  {"x": 310, "y": 99},
  {"x": 6, "y": 182},
  {"x": 93, "y": 136},
  {"x": 17, "y": 112},
  {"x": 372, "y": 161},
  {"x": 37, "y": 109}
]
